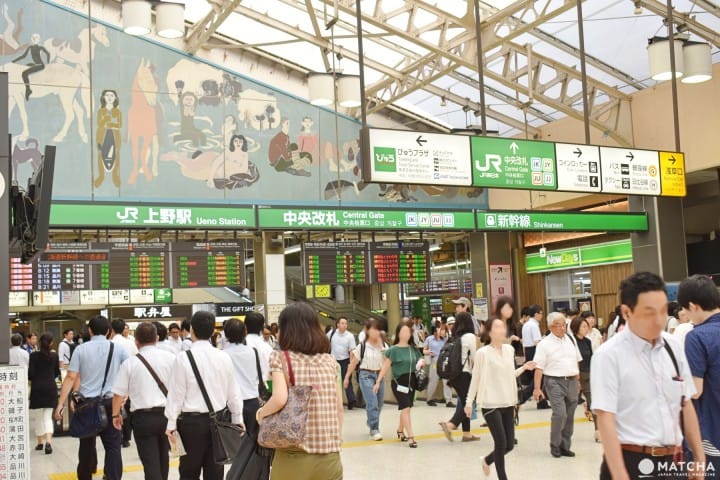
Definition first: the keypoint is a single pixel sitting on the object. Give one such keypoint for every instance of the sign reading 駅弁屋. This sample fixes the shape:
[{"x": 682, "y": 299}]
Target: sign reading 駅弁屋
[
  {"x": 150, "y": 216},
  {"x": 562, "y": 221},
  {"x": 417, "y": 158},
  {"x": 586, "y": 256},
  {"x": 510, "y": 163},
  {"x": 340, "y": 219}
]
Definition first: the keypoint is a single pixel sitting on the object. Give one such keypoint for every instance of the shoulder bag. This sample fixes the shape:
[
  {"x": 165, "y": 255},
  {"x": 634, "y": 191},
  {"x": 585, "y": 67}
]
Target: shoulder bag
[
  {"x": 159, "y": 382},
  {"x": 90, "y": 417},
  {"x": 263, "y": 393},
  {"x": 225, "y": 436},
  {"x": 421, "y": 380},
  {"x": 286, "y": 428}
]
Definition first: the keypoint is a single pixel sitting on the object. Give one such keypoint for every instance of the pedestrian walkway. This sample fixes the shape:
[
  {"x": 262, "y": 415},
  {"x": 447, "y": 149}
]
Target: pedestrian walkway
[{"x": 390, "y": 459}]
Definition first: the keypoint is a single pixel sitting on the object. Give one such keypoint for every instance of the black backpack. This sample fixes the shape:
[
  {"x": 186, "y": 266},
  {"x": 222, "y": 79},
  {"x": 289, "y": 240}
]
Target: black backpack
[
  {"x": 72, "y": 347},
  {"x": 450, "y": 362}
]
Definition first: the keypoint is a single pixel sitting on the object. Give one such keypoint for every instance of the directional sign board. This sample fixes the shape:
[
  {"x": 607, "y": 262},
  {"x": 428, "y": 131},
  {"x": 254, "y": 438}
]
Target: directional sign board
[
  {"x": 397, "y": 156},
  {"x": 578, "y": 167},
  {"x": 510, "y": 163},
  {"x": 672, "y": 174},
  {"x": 629, "y": 171}
]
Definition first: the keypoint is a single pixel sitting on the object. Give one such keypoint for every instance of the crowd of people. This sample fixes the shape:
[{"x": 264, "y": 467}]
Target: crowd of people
[{"x": 649, "y": 382}]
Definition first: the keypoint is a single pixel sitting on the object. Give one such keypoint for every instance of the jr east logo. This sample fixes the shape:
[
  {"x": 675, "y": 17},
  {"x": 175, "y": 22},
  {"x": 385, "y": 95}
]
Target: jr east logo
[
  {"x": 385, "y": 159},
  {"x": 489, "y": 167}
]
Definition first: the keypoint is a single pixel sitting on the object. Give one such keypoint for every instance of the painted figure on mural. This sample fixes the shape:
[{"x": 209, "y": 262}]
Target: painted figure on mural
[
  {"x": 234, "y": 169},
  {"x": 142, "y": 123},
  {"x": 109, "y": 123},
  {"x": 343, "y": 162},
  {"x": 308, "y": 141},
  {"x": 285, "y": 156},
  {"x": 23, "y": 152},
  {"x": 78, "y": 51},
  {"x": 36, "y": 51},
  {"x": 9, "y": 43},
  {"x": 188, "y": 129}
]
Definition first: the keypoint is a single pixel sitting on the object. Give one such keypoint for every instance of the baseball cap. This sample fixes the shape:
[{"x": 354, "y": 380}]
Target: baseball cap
[
  {"x": 451, "y": 321},
  {"x": 463, "y": 301}
]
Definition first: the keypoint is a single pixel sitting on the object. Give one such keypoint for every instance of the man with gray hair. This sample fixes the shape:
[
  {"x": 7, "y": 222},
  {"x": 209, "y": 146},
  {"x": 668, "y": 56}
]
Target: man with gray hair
[
  {"x": 557, "y": 358},
  {"x": 18, "y": 355}
]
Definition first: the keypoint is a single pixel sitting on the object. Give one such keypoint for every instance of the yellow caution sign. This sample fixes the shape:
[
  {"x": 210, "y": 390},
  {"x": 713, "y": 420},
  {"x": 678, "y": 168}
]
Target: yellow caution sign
[
  {"x": 309, "y": 291},
  {"x": 479, "y": 290},
  {"x": 672, "y": 174},
  {"x": 322, "y": 291}
]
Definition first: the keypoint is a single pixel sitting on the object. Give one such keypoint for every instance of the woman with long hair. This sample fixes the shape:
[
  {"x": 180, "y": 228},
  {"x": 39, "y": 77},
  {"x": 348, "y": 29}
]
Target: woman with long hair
[
  {"x": 368, "y": 357},
  {"x": 505, "y": 310},
  {"x": 300, "y": 334},
  {"x": 43, "y": 371},
  {"x": 402, "y": 359},
  {"x": 465, "y": 330},
  {"x": 581, "y": 330},
  {"x": 493, "y": 387}
]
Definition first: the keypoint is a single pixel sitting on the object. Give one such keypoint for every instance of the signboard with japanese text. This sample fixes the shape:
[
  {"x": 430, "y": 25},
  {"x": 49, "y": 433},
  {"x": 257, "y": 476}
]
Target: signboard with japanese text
[
  {"x": 162, "y": 295},
  {"x": 153, "y": 312},
  {"x": 337, "y": 263},
  {"x": 208, "y": 264},
  {"x": 142, "y": 295},
  {"x": 15, "y": 433},
  {"x": 151, "y": 216},
  {"x": 398, "y": 156},
  {"x": 630, "y": 171},
  {"x": 119, "y": 297},
  {"x": 578, "y": 167},
  {"x": 94, "y": 297},
  {"x": 562, "y": 221},
  {"x": 500, "y": 282},
  {"x": 672, "y": 174},
  {"x": 510, "y": 163},
  {"x": 42, "y": 299},
  {"x": 400, "y": 262},
  {"x": 134, "y": 266},
  {"x": 346, "y": 219},
  {"x": 18, "y": 299}
]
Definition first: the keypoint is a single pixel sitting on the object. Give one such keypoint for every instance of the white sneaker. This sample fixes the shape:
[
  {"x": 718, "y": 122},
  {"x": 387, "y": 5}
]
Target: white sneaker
[{"x": 377, "y": 437}]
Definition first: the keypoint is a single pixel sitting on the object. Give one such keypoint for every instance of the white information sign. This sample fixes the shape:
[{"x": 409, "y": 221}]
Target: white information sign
[
  {"x": 18, "y": 299},
  {"x": 46, "y": 298},
  {"x": 630, "y": 172},
  {"x": 94, "y": 297},
  {"x": 142, "y": 295},
  {"x": 398, "y": 156},
  {"x": 70, "y": 297},
  {"x": 119, "y": 297},
  {"x": 578, "y": 167},
  {"x": 14, "y": 432}
]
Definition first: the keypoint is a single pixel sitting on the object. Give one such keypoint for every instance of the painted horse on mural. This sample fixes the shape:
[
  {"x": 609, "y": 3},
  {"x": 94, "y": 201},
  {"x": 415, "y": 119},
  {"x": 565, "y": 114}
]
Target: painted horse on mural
[
  {"x": 80, "y": 49},
  {"x": 143, "y": 123},
  {"x": 9, "y": 43}
]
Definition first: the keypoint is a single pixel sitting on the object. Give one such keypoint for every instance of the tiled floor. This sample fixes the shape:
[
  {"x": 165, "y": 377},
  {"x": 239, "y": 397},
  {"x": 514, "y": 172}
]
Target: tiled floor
[{"x": 435, "y": 458}]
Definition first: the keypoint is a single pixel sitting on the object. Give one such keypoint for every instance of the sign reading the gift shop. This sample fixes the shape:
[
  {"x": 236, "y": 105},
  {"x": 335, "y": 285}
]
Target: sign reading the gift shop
[
  {"x": 397, "y": 156},
  {"x": 562, "y": 221},
  {"x": 150, "y": 216},
  {"x": 341, "y": 219},
  {"x": 586, "y": 256}
]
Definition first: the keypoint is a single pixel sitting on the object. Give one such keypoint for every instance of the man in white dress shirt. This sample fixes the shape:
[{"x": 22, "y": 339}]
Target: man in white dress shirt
[
  {"x": 254, "y": 325},
  {"x": 173, "y": 340},
  {"x": 642, "y": 385},
  {"x": 557, "y": 358},
  {"x": 18, "y": 355},
  {"x": 341, "y": 343},
  {"x": 117, "y": 328},
  {"x": 185, "y": 335},
  {"x": 66, "y": 347},
  {"x": 186, "y": 409},
  {"x": 147, "y": 394}
]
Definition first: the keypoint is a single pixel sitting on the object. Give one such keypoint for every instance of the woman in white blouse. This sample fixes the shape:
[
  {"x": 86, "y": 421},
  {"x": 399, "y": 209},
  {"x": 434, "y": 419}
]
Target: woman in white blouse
[
  {"x": 368, "y": 357},
  {"x": 494, "y": 388}
]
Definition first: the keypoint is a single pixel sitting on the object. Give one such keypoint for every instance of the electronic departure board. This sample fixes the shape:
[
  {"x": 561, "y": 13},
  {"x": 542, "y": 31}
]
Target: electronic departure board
[
  {"x": 208, "y": 264},
  {"x": 336, "y": 263},
  {"x": 21, "y": 275},
  {"x": 132, "y": 265},
  {"x": 400, "y": 262}
]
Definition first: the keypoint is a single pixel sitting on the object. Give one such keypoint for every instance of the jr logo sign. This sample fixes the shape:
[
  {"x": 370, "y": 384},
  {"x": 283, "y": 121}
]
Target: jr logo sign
[
  {"x": 384, "y": 159},
  {"x": 492, "y": 161}
]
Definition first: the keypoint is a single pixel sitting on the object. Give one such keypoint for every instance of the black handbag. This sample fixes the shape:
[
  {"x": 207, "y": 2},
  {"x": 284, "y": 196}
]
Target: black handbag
[
  {"x": 225, "y": 436},
  {"x": 420, "y": 380},
  {"x": 263, "y": 393},
  {"x": 90, "y": 416},
  {"x": 252, "y": 461}
]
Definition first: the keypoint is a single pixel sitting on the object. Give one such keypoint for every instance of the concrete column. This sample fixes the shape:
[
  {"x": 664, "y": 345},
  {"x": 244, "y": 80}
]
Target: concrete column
[
  {"x": 488, "y": 248},
  {"x": 662, "y": 249},
  {"x": 270, "y": 287},
  {"x": 392, "y": 292}
]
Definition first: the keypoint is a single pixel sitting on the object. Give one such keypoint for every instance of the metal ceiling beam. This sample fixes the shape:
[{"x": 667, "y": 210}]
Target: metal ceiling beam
[
  {"x": 318, "y": 33},
  {"x": 708, "y": 6},
  {"x": 205, "y": 28},
  {"x": 324, "y": 43},
  {"x": 703, "y": 31}
]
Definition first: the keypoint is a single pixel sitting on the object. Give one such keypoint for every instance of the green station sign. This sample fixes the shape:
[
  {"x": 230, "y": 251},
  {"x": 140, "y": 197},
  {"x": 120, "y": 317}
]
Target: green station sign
[
  {"x": 151, "y": 216},
  {"x": 587, "y": 256},
  {"x": 163, "y": 295},
  {"x": 562, "y": 221},
  {"x": 357, "y": 219},
  {"x": 510, "y": 163}
]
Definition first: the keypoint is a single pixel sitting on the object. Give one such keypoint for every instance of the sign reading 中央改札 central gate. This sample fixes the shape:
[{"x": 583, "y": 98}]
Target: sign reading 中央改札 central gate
[
  {"x": 510, "y": 163},
  {"x": 397, "y": 156}
]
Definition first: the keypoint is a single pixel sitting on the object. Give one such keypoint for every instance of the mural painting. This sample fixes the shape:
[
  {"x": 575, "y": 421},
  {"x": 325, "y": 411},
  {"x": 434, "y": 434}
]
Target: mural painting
[{"x": 168, "y": 127}]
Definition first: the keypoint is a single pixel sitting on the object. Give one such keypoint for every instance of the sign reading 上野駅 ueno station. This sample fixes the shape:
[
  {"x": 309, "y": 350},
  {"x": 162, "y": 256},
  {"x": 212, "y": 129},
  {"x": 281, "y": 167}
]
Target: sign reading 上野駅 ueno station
[
  {"x": 510, "y": 163},
  {"x": 356, "y": 219},
  {"x": 150, "y": 216},
  {"x": 404, "y": 157},
  {"x": 562, "y": 221},
  {"x": 417, "y": 158},
  {"x": 586, "y": 256}
]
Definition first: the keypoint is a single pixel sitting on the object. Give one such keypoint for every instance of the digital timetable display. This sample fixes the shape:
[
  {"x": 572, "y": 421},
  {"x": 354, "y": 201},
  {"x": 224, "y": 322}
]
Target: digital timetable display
[
  {"x": 336, "y": 263},
  {"x": 132, "y": 265},
  {"x": 400, "y": 262},
  {"x": 205, "y": 264}
]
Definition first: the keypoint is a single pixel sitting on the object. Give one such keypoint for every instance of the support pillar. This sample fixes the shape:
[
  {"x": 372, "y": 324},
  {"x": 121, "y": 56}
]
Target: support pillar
[
  {"x": 487, "y": 249},
  {"x": 5, "y": 179},
  {"x": 392, "y": 293},
  {"x": 662, "y": 249},
  {"x": 269, "y": 254}
]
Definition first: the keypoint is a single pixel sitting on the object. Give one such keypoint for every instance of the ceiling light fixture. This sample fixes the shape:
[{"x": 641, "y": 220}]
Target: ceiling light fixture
[
  {"x": 693, "y": 60},
  {"x": 170, "y": 17},
  {"x": 638, "y": 9},
  {"x": 659, "y": 56}
]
